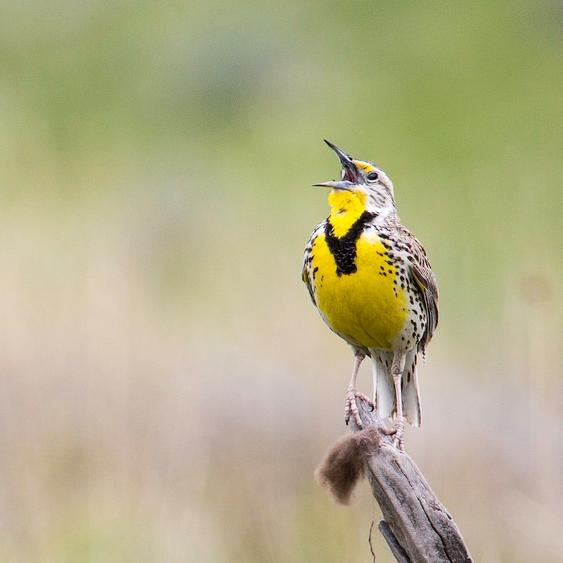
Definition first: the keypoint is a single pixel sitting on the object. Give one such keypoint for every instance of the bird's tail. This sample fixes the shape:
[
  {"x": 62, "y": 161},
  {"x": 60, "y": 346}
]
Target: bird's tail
[{"x": 384, "y": 388}]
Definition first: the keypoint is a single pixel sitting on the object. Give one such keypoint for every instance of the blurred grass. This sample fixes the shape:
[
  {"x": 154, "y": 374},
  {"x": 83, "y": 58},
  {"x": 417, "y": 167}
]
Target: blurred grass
[{"x": 168, "y": 389}]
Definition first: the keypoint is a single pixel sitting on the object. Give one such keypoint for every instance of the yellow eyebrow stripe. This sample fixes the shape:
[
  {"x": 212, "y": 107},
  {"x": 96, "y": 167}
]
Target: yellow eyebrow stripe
[{"x": 365, "y": 166}]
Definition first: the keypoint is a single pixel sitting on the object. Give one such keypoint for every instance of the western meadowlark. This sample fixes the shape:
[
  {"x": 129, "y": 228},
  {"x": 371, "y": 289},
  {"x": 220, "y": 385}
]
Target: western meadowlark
[{"x": 372, "y": 283}]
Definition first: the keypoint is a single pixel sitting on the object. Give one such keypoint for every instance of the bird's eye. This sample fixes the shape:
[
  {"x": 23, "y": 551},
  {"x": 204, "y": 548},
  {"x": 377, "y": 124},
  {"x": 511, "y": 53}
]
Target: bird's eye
[{"x": 373, "y": 176}]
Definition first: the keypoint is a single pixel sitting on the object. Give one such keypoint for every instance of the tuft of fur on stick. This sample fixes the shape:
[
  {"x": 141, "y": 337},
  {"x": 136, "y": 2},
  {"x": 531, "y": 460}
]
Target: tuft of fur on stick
[{"x": 344, "y": 464}]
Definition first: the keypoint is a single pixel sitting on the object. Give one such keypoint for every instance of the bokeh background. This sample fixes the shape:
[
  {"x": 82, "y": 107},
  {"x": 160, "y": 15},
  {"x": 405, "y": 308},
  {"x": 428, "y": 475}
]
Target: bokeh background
[{"x": 167, "y": 387}]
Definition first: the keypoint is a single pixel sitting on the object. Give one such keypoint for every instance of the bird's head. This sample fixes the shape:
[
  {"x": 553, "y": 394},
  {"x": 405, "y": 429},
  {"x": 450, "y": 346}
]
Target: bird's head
[{"x": 363, "y": 183}]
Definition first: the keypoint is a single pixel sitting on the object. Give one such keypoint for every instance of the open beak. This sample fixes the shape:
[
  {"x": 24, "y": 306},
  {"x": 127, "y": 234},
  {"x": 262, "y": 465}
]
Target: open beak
[{"x": 350, "y": 173}]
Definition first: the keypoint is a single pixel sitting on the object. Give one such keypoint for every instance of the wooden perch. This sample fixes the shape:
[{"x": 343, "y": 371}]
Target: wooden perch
[{"x": 416, "y": 525}]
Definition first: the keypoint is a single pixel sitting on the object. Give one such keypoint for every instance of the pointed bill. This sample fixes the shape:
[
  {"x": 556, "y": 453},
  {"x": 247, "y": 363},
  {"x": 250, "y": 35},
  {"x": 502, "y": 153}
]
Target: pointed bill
[
  {"x": 350, "y": 173},
  {"x": 342, "y": 185}
]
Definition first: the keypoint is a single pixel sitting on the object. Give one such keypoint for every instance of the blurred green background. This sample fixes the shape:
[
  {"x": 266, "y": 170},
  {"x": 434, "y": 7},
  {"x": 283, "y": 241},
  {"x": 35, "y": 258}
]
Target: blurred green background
[{"x": 167, "y": 387}]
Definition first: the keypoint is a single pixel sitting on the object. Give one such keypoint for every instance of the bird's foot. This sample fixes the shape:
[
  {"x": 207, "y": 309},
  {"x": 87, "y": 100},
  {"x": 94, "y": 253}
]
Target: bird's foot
[
  {"x": 351, "y": 408},
  {"x": 398, "y": 433}
]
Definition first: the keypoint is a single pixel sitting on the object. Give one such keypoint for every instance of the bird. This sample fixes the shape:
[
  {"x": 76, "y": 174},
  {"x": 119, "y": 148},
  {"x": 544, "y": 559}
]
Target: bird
[{"x": 372, "y": 283}]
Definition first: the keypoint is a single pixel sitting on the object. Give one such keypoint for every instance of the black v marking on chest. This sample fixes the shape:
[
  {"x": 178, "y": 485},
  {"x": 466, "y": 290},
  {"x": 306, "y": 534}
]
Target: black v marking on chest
[{"x": 343, "y": 248}]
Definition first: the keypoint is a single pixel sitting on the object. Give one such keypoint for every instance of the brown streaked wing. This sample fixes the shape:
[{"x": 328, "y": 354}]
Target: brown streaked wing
[{"x": 426, "y": 282}]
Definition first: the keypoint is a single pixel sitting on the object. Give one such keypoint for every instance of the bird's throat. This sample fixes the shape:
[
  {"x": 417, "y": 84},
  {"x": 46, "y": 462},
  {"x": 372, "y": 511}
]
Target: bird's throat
[{"x": 345, "y": 209}]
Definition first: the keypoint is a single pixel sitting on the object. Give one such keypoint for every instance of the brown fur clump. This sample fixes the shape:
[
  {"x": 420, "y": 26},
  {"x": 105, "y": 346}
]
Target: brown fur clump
[{"x": 343, "y": 465}]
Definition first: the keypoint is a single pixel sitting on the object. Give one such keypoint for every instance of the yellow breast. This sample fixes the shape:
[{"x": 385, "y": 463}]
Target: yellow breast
[{"x": 365, "y": 307}]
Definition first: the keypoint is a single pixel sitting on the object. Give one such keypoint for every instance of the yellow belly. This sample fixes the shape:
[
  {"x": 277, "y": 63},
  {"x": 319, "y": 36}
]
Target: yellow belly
[{"x": 366, "y": 307}]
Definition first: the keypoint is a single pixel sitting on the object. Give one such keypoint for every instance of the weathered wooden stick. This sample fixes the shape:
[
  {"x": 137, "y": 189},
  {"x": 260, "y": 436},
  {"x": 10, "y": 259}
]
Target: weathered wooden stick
[
  {"x": 416, "y": 525},
  {"x": 395, "y": 547}
]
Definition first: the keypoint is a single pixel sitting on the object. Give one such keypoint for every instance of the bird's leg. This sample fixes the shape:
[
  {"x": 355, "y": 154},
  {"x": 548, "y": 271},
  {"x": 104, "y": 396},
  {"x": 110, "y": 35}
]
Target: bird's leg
[
  {"x": 351, "y": 408},
  {"x": 397, "y": 368}
]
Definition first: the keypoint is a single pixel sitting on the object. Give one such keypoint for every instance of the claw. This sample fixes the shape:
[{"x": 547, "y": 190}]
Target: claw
[
  {"x": 398, "y": 430},
  {"x": 366, "y": 399},
  {"x": 351, "y": 408}
]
